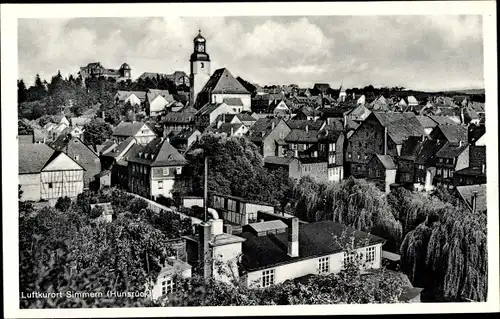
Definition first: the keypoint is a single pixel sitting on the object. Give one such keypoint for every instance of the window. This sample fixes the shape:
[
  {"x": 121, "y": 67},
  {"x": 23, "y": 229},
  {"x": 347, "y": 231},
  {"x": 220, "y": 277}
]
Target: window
[
  {"x": 202, "y": 65},
  {"x": 324, "y": 265},
  {"x": 167, "y": 286},
  {"x": 231, "y": 205},
  {"x": 166, "y": 171},
  {"x": 349, "y": 258},
  {"x": 50, "y": 185},
  {"x": 370, "y": 254},
  {"x": 160, "y": 184},
  {"x": 332, "y": 147},
  {"x": 451, "y": 173},
  {"x": 267, "y": 278},
  {"x": 349, "y": 155}
]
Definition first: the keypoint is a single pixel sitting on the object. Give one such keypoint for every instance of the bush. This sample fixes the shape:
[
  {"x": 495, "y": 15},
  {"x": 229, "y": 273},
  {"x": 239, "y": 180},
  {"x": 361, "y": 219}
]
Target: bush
[{"x": 63, "y": 203}]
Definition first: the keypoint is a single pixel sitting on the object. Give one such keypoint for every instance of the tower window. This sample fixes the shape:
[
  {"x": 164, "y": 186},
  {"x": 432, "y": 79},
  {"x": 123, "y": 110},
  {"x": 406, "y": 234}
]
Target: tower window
[{"x": 202, "y": 65}]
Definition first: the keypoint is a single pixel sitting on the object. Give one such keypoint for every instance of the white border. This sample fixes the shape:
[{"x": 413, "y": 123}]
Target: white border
[{"x": 9, "y": 15}]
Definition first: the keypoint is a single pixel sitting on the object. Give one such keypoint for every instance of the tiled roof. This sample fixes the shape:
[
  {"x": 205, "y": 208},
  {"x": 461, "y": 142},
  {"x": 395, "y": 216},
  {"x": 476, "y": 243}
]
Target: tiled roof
[
  {"x": 386, "y": 161},
  {"x": 222, "y": 81},
  {"x": 411, "y": 147},
  {"x": 115, "y": 152},
  {"x": 426, "y": 121},
  {"x": 179, "y": 117},
  {"x": 315, "y": 240},
  {"x": 330, "y": 133},
  {"x": 185, "y": 134},
  {"x": 123, "y": 95},
  {"x": 441, "y": 120},
  {"x": 225, "y": 128},
  {"x": 466, "y": 193},
  {"x": 267, "y": 225},
  {"x": 127, "y": 128},
  {"x": 428, "y": 151},
  {"x": 262, "y": 127},
  {"x": 454, "y": 133},
  {"x": 451, "y": 150},
  {"x": 33, "y": 157},
  {"x": 301, "y": 124},
  {"x": 164, "y": 154},
  {"x": 208, "y": 108},
  {"x": 404, "y": 128},
  {"x": 276, "y": 160},
  {"x": 301, "y": 136},
  {"x": 153, "y": 93}
]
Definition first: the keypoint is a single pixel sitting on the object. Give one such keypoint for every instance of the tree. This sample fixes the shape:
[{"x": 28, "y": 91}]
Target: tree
[
  {"x": 22, "y": 92},
  {"x": 352, "y": 202},
  {"x": 96, "y": 132},
  {"x": 70, "y": 251},
  {"x": 236, "y": 168},
  {"x": 63, "y": 203}
]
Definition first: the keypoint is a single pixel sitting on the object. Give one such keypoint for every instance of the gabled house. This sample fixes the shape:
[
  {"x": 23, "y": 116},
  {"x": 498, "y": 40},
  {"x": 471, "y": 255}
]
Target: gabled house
[
  {"x": 79, "y": 121},
  {"x": 476, "y": 172},
  {"x": 47, "y": 174},
  {"x": 153, "y": 168},
  {"x": 450, "y": 133},
  {"x": 425, "y": 164},
  {"x": 380, "y": 133},
  {"x": 450, "y": 158},
  {"x": 242, "y": 118},
  {"x": 406, "y": 162},
  {"x": 142, "y": 133},
  {"x": 209, "y": 113},
  {"x": 80, "y": 153},
  {"x": 228, "y": 129},
  {"x": 157, "y": 101},
  {"x": 475, "y": 133},
  {"x": 236, "y": 104},
  {"x": 307, "y": 113},
  {"x": 134, "y": 97},
  {"x": 279, "y": 108},
  {"x": 177, "y": 121},
  {"x": 269, "y": 135},
  {"x": 114, "y": 160},
  {"x": 382, "y": 171},
  {"x": 358, "y": 114},
  {"x": 331, "y": 149},
  {"x": 222, "y": 85},
  {"x": 427, "y": 123},
  {"x": 291, "y": 165},
  {"x": 183, "y": 140}
]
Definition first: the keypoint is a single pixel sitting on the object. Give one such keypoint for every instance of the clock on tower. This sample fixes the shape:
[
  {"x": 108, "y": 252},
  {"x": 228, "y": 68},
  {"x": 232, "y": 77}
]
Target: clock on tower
[{"x": 200, "y": 67}]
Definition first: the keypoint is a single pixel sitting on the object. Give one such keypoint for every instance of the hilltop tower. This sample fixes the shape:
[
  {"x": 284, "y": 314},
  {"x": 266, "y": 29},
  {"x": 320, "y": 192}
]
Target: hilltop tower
[{"x": 200, "y": 67}]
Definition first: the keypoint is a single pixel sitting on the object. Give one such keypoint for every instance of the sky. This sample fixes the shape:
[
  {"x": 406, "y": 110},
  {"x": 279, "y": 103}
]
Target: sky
[{"x": 434, "y": 52}]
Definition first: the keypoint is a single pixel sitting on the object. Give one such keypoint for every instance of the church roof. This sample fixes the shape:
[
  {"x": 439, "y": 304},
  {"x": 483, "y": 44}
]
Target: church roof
[{"x": 222, "y": 81}]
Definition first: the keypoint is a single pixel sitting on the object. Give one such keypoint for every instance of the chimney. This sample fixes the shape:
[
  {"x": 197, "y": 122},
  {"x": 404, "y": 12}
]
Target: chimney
[
  {"x": 224, "y": 118},
  {"x": 204, "y": 250},
  {"x": 272, "y": 125},
  {"x": 232, "y": 131},
  {"x": 293, "y": 237},
  {"x": 473, "y": 201},
  {"x": 307, "y": 128},
  {"x": 385, "y": 140},
  {"x": 460, "y": 143},
  {"x": 345, "y": 121}
]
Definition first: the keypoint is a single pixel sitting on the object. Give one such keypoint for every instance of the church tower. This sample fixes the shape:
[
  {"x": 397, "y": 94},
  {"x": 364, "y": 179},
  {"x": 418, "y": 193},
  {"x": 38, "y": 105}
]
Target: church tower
[{"x": 200, "y": 67}]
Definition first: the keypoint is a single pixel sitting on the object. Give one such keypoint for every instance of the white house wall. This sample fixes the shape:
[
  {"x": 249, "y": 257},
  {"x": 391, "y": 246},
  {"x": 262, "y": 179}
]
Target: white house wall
[
  {"x": 245, "y": 99},
  {"x": 133, "y": 99},
  {"x": 225, "y": 261},
  {"x": 308, "y": 266},
  {"x": 30, "y": 185},
  {"x": 157, "y": 105}
]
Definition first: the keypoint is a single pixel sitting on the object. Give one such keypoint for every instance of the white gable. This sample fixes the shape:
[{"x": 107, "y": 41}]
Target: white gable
[
  {"x": 62, "y": 162},
  {"x": 158, "y": 104},
  {"x": 236, "y": 120},
  {"x": 281, "y": 106},
  {"x": 133, "y": 99}
]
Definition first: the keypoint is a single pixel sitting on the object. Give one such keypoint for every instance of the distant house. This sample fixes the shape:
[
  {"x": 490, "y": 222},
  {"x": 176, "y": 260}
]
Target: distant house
[
  {"x": 138, "y": 130},
  {"x": 228, "y": 129},
  {"x": 238, "y": 211},
  {"x": 358, "y": 114},
  {"x": 209, "y": 113},
  {"x": 157, "y": 101},
  {"x": 475, "y": 133},
  {"x": 133, "y": 97},
  {"x": 382, "y": 171},
  {"x": 113, "y": 157},
  {"x": 450, "y": 133},
  {"x": 165, "y": 284},
  {"x": 80, "y": 153},
  {"x": 450, "y": 158},
  {"x": 269, "y": 134},
  {"x": 242, "y": 118},
  {"x": 406, "y": 162},
  {"x": 427, "y": 123},
  {"x": 46, "y": 174},
  {"x": 95, "y": 70},
  {"x": 307, "y": 113},
  {"x": 476, "y": 172},
  {"x": 178, "y": 77},
  {"x": 222, "y": 85},
  {"x": 183, "y": 140},
  {"x": 177, "y": 121},
  {"x": 279, "y": 108},
  {"x": 425, "y": 164},
  {"x": 323, "y": 88},
  {"x": 331, "y": 149},
  {"x": 79, "y": 121},
  {"x": 236, "y": 103},
  {"x": 380, "y": 133},
  {"x": 153, "y": 168}
]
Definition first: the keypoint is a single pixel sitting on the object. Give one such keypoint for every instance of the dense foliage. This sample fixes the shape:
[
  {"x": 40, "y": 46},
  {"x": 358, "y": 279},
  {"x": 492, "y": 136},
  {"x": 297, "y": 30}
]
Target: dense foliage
[
  {"x": 235, "y": 168},
  {"x": 96, "y": 132},
  {"x": 442, "y": 244},
  {"x": 74, "y": 251},
  {"x": 352, "y": 202}
]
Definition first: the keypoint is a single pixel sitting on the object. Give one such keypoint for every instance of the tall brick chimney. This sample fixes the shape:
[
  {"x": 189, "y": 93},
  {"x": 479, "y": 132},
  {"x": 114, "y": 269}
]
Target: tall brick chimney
[
  {"x": 473, "y": 201},
  {"x": 204, "y": 250},
  {"x": 293, "y": 237}
]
